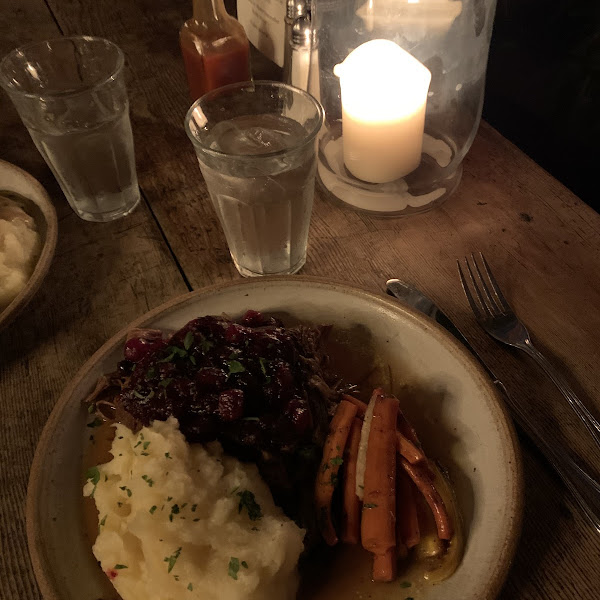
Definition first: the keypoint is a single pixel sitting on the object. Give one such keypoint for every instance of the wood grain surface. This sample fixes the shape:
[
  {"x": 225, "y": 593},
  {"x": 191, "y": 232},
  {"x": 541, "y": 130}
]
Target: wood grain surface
[{"x": 542, "y": 242}]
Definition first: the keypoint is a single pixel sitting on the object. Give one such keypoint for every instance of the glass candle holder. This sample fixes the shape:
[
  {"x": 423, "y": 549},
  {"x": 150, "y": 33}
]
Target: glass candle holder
[{"x": 402, "y": 85}]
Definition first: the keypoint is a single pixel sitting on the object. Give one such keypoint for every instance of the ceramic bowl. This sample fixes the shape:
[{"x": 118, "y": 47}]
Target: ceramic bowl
[
  {"x": 456, "y": 409},
  {"x": 39, "y": 206}
]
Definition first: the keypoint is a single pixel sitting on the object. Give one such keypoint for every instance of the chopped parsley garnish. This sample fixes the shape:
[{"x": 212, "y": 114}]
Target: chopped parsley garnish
[
  {"x": 148, "y": 480},
  {"x": 171, "y": 560},
  {"x": 235, "y": 366},
  {"x": 126, "y": 489},
  {"x": 263, "y": 365},
  {"x": 167, "y": 455},
  {"x": 370, "y": 505},
  {"x": 173, "y": 351},
  {"x": 324, "y": 467},
  {"x": 187, "y": 340},
  {"x": 165, "y": 382},
  {"x": 169, "y": 498},
  {"x": 146, "y": 444},
  {"x": 205, "y": 345},
  {"x": 337, "y": 461},
  {"x": 150, "y": 373},
  {"x": 194, "y": 507},
  {"x": 174, "y": 511},
  {"x": 234, "y": 567},
  {"x": 91, "y": 408},
  {"x": 152, "y": 509},
  {"x": 333, "y": 480},
  {"x": 120, "y": 567},
  {"x": 248, "y": 502},
  {"x": 102, "y": 523},
  {"x": 139, "y": 443},
  {"x": 93, "y": 475},
  {"x": 405, "y": 584},
  {"x": 244, "y": 564},
  {"x": 190, "y": 587},
  {"x": 95, "y": 423}
]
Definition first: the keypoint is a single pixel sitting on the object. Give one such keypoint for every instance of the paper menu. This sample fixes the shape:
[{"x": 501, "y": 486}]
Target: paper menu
[{"x": 264, "y": 22}]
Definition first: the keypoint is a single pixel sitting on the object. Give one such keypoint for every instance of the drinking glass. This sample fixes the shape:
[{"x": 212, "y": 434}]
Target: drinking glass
[
  {"x": 256, "y": 145},
  {"x": 70, "y": 93}
]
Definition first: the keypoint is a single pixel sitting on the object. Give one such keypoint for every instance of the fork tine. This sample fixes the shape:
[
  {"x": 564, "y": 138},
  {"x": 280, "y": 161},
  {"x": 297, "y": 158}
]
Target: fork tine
[
  {"x": 491, "y": 303},
  {"x": 486, "y": 308},
  {"x": 503, "y": 302},
  {"x": 467, "y": 292}
]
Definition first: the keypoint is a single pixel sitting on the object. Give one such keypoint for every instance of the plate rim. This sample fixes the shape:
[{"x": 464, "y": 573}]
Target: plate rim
[
  {"x": 43, "y": 574},
  {"x": 12, "y": 311}
]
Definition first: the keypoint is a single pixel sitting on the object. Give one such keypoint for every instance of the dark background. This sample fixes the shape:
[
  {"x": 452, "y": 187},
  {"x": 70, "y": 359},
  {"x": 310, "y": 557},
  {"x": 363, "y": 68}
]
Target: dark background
[{"x": 543, "y": 86}]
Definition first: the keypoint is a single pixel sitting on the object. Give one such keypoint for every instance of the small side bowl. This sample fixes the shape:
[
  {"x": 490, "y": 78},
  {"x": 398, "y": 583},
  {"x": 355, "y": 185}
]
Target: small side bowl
[{"x": 39, "y": 206}]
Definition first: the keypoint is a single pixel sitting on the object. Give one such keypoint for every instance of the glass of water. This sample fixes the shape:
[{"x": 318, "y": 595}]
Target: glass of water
[
  {"x": 70, "y": 93},
  {"x": 256, "y": 145}
]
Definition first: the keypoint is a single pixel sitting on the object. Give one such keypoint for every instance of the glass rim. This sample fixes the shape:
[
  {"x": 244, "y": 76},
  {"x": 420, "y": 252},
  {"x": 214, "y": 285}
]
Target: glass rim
[
  {"x": 310, "y": 136},
  {"x": 11, "y": 89}
]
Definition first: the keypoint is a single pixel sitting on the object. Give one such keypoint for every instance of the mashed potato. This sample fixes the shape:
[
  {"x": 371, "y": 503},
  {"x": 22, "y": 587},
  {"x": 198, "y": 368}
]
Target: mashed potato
[
  {"x": 186, "y": 521},
  {"x": 19, "y": 249}
]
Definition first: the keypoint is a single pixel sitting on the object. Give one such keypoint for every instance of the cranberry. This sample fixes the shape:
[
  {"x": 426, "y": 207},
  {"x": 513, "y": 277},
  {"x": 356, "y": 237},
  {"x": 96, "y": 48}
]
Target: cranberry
[
  {"x": 231, "y": 405},
  {"x": 211, "y": 377},
  {"x": 137, "y": 348},
  {"x": 299, "y": 414},
  {"x": 235, "y": 334},
  {"x": 253, "y": 318},
  {"x": 284, "y": 377}
]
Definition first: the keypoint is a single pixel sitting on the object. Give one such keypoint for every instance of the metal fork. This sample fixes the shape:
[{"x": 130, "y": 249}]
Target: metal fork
[
  {"x": 498, "y": 319},
  {"x": 495, "y": 315}
]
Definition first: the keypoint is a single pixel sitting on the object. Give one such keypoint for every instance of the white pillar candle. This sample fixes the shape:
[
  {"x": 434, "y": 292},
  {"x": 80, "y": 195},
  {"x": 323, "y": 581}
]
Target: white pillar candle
[{"x": 384, "y": 94}]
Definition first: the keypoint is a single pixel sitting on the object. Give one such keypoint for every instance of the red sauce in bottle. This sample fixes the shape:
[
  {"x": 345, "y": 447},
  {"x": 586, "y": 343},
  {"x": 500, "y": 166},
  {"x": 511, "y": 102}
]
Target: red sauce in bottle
[{"x": 215, "y": 48}]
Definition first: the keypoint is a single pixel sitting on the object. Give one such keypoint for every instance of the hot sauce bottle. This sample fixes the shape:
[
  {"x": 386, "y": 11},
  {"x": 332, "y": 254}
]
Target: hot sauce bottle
[{"x": 215, "y": 48}]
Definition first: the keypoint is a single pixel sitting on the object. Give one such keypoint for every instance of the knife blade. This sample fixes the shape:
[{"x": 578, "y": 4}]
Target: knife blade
[{"x": 418, "y": 300}]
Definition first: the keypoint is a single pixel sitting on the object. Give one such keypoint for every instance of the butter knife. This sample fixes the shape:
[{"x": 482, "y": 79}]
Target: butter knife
[{"x": 584, "y": 488}]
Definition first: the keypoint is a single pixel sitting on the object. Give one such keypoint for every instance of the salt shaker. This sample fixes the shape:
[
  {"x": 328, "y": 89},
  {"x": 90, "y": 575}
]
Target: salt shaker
[
  {"x": 295, "y": 9},
  {"x": 301, "y": 47}
]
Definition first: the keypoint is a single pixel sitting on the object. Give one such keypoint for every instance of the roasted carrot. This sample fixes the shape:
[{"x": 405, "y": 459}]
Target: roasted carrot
[
  {"x": 378, "y": 526},
  {"x": 351, "y": 504},
  {"x": 407, "y": 521},
  {"x": 327, "y": 476},
  {"x": 360, "y": 405},
  {"x": 407, "y": 448},
  {"x": 422, "y": 477}
]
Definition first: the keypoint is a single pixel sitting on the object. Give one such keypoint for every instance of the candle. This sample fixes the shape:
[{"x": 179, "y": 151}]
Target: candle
[{"x": 384, "y": 94}]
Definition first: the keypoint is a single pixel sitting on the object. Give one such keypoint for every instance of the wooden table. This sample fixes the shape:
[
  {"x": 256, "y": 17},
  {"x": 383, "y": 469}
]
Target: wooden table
[{"x": 542, "y": 241}]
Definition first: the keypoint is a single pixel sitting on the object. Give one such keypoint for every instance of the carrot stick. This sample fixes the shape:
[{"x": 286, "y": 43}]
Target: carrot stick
[
  {"x": 360, "y": 405},
  {"x": 378, "y": 527},
  {"x": 351, "y": 508},
  {"x": 406, "y": 446},
  {"x": 327, "y": 476},
  {"x": 422, "y": 478},
  {"x": 408, "y": 450},
  {"x": 407, "y": 521}
]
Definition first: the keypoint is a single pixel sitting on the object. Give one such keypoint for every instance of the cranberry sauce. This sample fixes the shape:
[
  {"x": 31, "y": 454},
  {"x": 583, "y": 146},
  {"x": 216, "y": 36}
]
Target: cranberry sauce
[{"x": 254, "y": 385}]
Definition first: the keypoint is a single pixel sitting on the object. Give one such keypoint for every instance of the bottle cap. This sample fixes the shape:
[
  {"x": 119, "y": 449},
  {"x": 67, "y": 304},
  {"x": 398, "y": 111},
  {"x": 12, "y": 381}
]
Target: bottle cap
[{"x": 295, "y": 9}]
